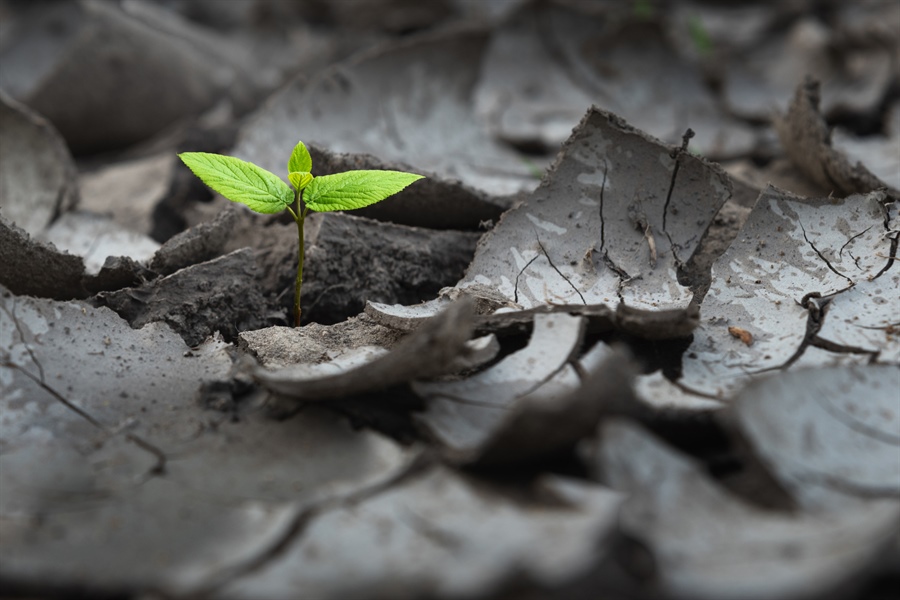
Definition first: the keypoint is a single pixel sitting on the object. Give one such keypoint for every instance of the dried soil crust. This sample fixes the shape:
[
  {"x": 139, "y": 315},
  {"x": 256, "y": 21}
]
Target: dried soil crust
[
  {"x": 313, "y": 343},
  {"x": 220, "y": 295},
  {"x": 721, "y": 233},
  {"x": 35, "y": 269},
  {"x": 353, "y": 260},
  {"x": 807, "y": 139},
  {"x": 610, "y": 226},
  {"x": 747, "y": 450},
  {"x": 37, "y": 173}
]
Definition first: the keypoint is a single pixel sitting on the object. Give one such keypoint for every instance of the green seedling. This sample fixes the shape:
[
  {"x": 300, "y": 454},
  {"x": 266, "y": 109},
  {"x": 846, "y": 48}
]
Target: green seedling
[
  {"x": 643, "y": 9},
  {"x": 264, "y": 192},
  {"x": 702, "y": 41}
]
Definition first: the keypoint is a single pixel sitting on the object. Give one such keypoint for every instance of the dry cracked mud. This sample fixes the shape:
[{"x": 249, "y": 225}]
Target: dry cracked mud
[{"x": 636, "y": 335}]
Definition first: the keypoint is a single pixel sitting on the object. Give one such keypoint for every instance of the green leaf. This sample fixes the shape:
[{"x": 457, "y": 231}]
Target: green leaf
[
  {"x": 300, "y": 161},
  {"x": 240, "y": 181},
  {"x": 354, "y": 189},
  {"x": 300, "y": 180},
  {"x": 700, "y": 36}
]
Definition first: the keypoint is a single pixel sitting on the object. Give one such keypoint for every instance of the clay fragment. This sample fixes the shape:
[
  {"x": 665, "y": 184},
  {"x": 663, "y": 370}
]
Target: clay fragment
[
  {"x": 38, "y": 179},
  {"x": 708, "y": 544},
  {"x": 428, "y": 352},
  {"x": 829, "y": 435},
  {"x": 607, "y": 231},
  {"x": 807, "y": 140},
  {"x": 195, "y": 245},
  {"x": 106, "y": 448},
  {"x": 811, "y": 280},
  {"x": 218, "y": 295},
  {"x": 109, "y": 78},
  {"x": 442, "y": 534},
  {"x": 354, "y": 259},
  {"x": 32, "y": 268}
]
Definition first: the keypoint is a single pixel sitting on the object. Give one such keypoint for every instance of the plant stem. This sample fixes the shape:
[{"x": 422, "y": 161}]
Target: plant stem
[{"x": 301, "y": 253}]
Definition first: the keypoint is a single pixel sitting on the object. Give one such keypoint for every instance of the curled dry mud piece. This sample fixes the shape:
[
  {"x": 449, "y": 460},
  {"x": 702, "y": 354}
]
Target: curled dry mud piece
[
  {"x": 532, "y": 403},
  {"x": 101, "y": 431},
  {"x": 32, "y": 268},
  {"x": 95, "y": 238},
  {"x": 648, "y": 324},
  {"x": 813, "y": 281},
  {"x": 463, "y": 415},
  {"x": 597, "y": 233},
  {"x": 829, "y": 435},
  {"x": 857, "y": 74},
  {"x": 74, "y": 75},
  {"x": 442, "y": 534},
  {"x": 428, "y": 352},
  {"x": 807, "y": 140},
  {"x": 551, "y": 59},
  {"x": 218, "y": 295},
  {"x": 200, "y": 243},
  {"x": 708, "y": 544},
  {"x": 37, "y": 174}
]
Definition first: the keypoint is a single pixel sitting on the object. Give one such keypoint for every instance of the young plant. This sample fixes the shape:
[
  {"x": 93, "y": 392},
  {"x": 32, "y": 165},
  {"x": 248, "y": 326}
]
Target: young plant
[{"x": 264, "y": 192}]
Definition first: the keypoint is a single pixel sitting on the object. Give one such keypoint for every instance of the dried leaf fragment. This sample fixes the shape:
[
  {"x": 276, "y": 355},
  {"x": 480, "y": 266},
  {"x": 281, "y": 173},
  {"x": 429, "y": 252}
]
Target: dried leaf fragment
[{"x": 741, "y": 334}]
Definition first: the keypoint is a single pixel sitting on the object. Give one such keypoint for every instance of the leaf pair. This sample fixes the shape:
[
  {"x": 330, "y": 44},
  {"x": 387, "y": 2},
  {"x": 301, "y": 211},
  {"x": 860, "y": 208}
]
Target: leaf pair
[{"x": 264, "y": 192}]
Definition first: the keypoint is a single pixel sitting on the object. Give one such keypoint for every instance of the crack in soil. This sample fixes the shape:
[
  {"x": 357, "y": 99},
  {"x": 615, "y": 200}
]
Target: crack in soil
[
  {"x": 822, "y": 256},
  {"x": 623, "y": 275},
  {"x": 294, "y": 531},
  {"x": 423, "y": 527},
  {"x": 602, "y": 221},
  {"x": 818, "y": 311},
  {"x": 891, "y": 258},
  {"x": 537, "y": 385},
  {"x": 814, "y": 321},
  {"x": 847, "y": 243},
  {"x": 830, "y": 346},
  {"x": 157, "y": 469},
  {"x": 814, "y": 339},
  {"x": 558, "y": 272},
  {"x": 519, "y": 274},
  {"x": 677, "y": 154},
  {"x": 855, "y": 425}
]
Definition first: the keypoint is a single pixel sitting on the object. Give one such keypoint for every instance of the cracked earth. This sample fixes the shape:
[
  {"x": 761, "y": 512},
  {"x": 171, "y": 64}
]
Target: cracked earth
[{"x": 636, "y": 335}]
